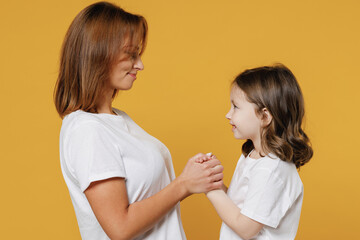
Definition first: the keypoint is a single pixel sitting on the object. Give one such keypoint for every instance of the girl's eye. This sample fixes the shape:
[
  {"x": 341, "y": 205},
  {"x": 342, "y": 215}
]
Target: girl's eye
[{"x": 233, "y": 105}]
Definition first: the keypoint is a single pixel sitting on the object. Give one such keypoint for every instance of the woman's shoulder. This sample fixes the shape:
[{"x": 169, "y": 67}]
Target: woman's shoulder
[
  {"x": 80, "y": 117},
  {"x": 81, "y": 121}
]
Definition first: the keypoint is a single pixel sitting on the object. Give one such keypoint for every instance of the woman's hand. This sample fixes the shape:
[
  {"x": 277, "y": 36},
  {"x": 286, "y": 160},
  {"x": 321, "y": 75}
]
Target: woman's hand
[{"x": 201, "y": 174}]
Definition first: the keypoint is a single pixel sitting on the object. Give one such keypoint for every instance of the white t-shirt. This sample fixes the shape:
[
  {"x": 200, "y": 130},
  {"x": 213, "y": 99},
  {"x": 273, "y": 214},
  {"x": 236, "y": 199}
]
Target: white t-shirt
[
  {"x": 100, "y": 146},
  {"x": 267, "y": 190}
]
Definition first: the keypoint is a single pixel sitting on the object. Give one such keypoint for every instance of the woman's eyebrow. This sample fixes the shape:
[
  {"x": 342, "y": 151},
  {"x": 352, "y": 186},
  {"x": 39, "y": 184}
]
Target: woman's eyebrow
[{"x": 131, "y": 47}]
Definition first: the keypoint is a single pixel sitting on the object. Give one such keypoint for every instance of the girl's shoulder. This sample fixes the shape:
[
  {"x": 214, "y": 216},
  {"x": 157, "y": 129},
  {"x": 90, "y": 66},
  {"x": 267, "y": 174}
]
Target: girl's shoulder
[{"x": 275, "y": 166}]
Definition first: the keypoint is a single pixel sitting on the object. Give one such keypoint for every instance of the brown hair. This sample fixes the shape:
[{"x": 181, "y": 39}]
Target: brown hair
[
  {"x": 91, "y": 46},
  {"x": 276, "y": 89}
]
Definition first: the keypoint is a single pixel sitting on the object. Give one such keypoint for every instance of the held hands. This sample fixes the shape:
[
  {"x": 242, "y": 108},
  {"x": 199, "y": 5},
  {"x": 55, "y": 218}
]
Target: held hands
[
  {"x": 205, "y": 158},
  {"x": 201, "y": 174}
]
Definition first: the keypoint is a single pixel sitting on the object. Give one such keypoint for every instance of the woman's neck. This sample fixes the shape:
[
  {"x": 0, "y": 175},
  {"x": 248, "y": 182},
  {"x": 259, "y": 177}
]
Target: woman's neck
[
  {"x": 105, "y": 104},
  {"x": 105, "y": 109}
]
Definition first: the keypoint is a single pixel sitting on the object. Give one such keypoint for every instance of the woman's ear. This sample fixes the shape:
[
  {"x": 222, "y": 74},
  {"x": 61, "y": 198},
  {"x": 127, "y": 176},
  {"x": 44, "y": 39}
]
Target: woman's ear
[{"x": 266, "y": 117}]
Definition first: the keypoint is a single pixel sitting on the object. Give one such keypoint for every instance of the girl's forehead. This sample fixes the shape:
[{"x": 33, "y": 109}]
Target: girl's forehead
[{"x": 237, "y": 93}]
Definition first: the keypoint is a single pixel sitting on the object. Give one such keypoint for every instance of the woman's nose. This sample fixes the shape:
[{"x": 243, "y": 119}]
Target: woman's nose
[{"x": 139, "y": 64}]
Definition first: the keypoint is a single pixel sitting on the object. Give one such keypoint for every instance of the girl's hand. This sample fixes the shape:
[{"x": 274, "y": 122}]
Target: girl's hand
[
  {"x": 201, "y": 177},
  {"x": 205, "y": 158}
]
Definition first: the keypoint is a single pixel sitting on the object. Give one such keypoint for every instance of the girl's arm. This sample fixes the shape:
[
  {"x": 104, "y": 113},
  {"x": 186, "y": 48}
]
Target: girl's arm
[
  {"x": 121, "y": 220},
  {"x": 244, "y": 226},
  {"x": 224, "y": 188}
]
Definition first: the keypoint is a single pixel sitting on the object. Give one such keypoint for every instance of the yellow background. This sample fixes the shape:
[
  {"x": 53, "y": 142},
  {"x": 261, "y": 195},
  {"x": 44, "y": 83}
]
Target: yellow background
[{"x": 195, "y": 49}]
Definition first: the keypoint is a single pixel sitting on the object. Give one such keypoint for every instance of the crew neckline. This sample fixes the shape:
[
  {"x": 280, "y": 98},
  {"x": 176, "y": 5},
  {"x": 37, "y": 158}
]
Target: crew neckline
[
  {"x": 252, "y": 157},
  {"x": 116, "y": 111},
  {"x": 269, "y": 155}
]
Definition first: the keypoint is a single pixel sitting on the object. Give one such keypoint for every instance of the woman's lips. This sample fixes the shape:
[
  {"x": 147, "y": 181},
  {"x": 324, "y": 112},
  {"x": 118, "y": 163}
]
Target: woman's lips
[{"x": 133, "y": 75}]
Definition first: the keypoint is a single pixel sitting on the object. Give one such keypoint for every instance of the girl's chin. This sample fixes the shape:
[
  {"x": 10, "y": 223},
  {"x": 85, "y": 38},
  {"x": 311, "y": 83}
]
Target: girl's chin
[{"x": 237, "y": 136}]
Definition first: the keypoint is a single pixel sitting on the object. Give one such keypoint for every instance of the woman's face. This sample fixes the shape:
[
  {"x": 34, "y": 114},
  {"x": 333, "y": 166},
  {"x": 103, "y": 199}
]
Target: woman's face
[{"x": 123, "y": 73}]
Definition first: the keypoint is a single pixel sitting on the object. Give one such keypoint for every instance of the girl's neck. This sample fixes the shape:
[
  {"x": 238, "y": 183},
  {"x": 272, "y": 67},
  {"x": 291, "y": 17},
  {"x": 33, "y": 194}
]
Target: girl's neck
[{"x": 255, "y": 154}]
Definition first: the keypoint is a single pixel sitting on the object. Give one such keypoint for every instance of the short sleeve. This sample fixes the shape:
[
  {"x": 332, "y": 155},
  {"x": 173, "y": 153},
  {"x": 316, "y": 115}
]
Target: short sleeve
[
  {"x": 93, "y": 155},
  {"x": 266, "y": 200}
]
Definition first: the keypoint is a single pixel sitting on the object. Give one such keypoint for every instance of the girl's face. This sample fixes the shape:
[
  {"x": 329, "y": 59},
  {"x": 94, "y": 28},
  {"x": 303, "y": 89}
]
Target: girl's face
[
  {"x": 242, "y": 115},
  {"x": 123, "y": 73}
]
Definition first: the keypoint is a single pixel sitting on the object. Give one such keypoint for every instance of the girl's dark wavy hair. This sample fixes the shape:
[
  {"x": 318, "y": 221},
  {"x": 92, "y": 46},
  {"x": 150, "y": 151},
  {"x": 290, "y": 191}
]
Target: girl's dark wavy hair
[{"x": 276, "y": 89}]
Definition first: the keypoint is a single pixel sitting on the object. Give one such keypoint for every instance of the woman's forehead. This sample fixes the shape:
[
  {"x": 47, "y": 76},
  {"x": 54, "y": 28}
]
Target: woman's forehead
[
  {"x": 127, "y": 41},
  {"x": 132, "y": 40}
]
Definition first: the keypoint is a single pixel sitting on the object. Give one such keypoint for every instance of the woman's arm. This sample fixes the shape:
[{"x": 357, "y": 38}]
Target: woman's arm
[
  {"x": 244, "y": 226},
  {"x": 121, "y": 220}
]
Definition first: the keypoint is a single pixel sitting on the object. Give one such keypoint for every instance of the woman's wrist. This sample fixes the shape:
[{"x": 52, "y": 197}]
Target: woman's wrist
[{"x": 181, "y": 187}]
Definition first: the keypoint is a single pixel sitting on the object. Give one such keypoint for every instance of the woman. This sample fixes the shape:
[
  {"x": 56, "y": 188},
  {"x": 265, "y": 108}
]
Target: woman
[{"x": 121, "y": 179}]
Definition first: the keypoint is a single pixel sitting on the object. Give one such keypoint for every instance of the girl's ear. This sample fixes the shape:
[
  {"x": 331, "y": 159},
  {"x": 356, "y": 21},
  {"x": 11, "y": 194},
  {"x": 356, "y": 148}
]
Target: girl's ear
[{"x": 266, "y": 117}]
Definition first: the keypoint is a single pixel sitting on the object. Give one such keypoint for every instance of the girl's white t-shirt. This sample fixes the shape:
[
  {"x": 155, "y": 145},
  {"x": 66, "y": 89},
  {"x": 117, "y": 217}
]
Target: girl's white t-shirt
[
  {"x": 267, "y": 190},
  {"x": 95, "y": 147}
]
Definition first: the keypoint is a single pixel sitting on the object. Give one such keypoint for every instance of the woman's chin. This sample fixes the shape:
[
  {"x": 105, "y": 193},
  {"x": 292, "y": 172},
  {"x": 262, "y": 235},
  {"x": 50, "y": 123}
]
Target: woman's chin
[{"x": 125, "y": 87}]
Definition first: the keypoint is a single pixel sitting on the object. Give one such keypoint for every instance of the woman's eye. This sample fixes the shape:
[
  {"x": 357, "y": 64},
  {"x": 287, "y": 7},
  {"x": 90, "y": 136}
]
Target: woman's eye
[{"x": 133, "y": 55}]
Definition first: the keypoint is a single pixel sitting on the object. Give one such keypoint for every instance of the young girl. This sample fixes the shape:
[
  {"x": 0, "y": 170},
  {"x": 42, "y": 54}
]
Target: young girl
[{"x": 265, "y": 194}]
